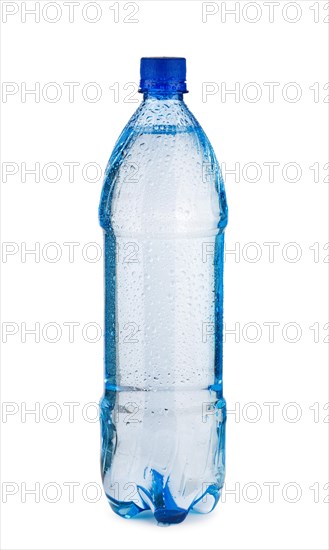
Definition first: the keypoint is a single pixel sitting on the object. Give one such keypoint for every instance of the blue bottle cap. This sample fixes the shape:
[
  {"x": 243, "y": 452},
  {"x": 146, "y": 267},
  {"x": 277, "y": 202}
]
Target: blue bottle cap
[{"x": 163, "y": 74}]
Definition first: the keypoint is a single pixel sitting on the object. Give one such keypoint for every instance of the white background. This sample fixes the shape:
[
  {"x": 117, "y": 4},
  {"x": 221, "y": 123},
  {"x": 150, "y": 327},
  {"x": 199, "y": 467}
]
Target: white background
[{"x": 36, "y": 451}]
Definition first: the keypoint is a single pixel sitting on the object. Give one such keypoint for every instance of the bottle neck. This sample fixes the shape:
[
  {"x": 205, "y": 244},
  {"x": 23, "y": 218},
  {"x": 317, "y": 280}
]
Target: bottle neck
[{"x": 163, "y": 95}]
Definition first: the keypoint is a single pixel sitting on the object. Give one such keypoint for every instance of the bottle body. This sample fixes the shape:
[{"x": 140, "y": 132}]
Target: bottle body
[{"x": 163, "y": 211}]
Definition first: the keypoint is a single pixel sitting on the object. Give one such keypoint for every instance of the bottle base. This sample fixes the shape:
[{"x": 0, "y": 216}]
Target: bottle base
[{"x": 162, "y": 504}]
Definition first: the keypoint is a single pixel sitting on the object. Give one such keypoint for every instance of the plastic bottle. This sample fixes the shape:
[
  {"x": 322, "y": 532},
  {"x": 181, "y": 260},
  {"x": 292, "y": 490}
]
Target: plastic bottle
[{"x": 163, "y": 210}]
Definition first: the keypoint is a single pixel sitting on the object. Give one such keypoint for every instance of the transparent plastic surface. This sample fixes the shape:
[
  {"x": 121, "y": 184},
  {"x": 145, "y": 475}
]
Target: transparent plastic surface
[{"x": 163, "y": 211}]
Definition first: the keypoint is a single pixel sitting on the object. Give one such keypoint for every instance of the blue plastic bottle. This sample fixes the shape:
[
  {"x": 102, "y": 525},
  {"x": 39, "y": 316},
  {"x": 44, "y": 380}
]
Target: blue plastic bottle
[{"x": 163, "y": 210}]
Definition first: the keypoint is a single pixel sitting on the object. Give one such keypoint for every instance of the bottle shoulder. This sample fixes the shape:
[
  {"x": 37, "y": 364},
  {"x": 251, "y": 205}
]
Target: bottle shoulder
[{"x": 163, "y": 168}]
